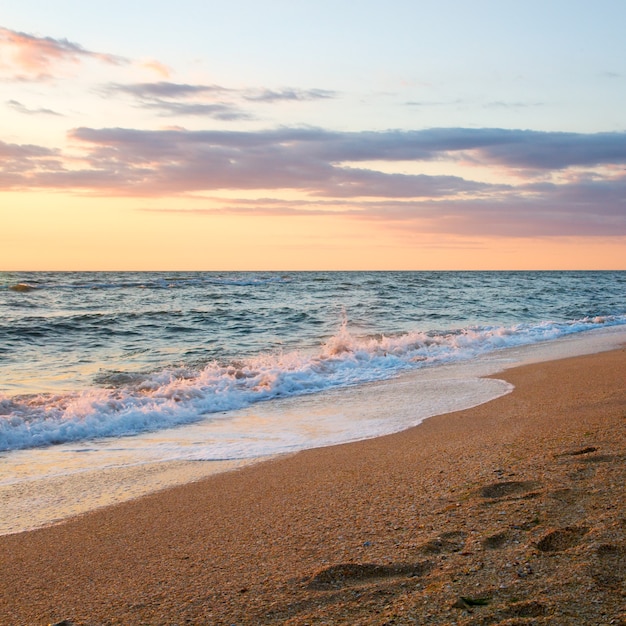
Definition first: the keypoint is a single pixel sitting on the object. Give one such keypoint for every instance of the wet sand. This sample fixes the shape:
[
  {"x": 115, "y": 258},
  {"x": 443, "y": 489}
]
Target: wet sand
[
  {"x": 512, "y": 512},
  {"x": 39, "y": 502}
]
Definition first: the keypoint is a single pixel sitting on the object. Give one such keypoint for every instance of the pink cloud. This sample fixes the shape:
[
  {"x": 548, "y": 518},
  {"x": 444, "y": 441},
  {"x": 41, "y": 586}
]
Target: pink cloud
[
  {"x": 157, "y": 67},
  {"x": 34, "y": 58},
  {"x": 150, "y": 163}
]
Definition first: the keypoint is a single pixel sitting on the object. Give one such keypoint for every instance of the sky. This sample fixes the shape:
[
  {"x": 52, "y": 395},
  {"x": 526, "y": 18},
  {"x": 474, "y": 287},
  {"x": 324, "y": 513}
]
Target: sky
[{"x": 301, "y": 135}]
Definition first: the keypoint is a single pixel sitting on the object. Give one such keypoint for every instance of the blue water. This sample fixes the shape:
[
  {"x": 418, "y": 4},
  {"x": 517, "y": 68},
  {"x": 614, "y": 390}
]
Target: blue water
[{"x": 90, "y": 355}]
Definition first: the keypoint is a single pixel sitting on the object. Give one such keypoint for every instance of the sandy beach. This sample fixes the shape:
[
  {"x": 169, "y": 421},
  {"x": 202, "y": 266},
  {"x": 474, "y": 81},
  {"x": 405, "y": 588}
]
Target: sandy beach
[{"x": 508, "y": 513}]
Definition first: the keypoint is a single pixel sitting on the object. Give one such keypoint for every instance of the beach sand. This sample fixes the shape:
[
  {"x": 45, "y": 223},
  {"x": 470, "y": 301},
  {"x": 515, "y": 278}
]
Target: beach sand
[{"x": 512, "y": 512}]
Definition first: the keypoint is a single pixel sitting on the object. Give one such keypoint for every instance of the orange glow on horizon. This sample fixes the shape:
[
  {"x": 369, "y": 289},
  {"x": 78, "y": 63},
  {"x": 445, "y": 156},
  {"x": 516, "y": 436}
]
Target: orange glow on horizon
[{"x": 59, "y": 232}]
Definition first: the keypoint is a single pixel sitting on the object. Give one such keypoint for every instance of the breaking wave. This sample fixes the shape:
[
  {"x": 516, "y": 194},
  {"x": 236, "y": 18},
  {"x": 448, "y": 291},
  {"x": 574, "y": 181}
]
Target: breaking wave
[{"x": 124, "y": 403}]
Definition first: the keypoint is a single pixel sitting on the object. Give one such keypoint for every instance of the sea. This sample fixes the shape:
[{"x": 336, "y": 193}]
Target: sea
[{"x": 102, "y": 370}]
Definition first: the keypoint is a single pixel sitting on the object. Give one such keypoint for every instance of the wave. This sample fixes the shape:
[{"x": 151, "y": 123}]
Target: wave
[{"x": 125, "y": 404}]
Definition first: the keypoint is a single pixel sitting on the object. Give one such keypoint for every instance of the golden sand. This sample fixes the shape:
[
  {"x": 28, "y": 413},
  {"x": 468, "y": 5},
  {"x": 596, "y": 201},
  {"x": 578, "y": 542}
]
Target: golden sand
[{"x": 512, "y": 512}]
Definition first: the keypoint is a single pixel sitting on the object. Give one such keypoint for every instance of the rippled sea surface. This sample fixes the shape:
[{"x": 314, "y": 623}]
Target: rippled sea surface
[{"x": 87, "y": 355}]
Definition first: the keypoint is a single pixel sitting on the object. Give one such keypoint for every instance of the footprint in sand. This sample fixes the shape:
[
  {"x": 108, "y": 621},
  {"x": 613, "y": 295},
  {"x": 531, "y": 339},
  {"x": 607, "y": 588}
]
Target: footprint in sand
[
  {"x": 597, "y": 458},
  {"x": 562, "y": 539},
  {"x": 507, "y": 488},
  {"x": 566, "y": 495},
  {"x": 354, "y": 573},
  {"x": 582, "y": 473},
  {"x": 452, "y": 541},
  {"x": 585, "y": 455},
  {"x": 579, "y": 452},
  {"x": 609, "y": 569},
  {"x": 497, "y": 541},
  {"x": 524, "y": 609},
  {"x": 585, "y": 460}
]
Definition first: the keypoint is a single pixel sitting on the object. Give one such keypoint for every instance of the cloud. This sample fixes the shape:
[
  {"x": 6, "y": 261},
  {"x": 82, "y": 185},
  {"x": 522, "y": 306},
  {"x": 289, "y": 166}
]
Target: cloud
[
  {"x": 209, "y": 100},
  {"x": 164, "y": 89},
  {"x": 266, "y": 207},
  {"x": 554, "y": 151},
  {"x": 183, "y": 99},
  {"x": 435, "y": 103},
  {"x": 22, "y": 165},
  {"x": 21, "y": 108},
  {"x": 561, "y": 211},
  {"x": 324, "y": 162},
  {"x": 218, "y": 111},
  {"x": 520, "y": 149},
  {"x": 349, "y": 183},
  {"x": 156, "y": 66},
  {"x": 176, "y": 161},
  {"x": 331, "y": 172},
  {"x": 11, "y": 152},
  {"x": 269, "y": 95},
  {"x": 501, "y": 104},
  {"x": 35, "y": 58}
]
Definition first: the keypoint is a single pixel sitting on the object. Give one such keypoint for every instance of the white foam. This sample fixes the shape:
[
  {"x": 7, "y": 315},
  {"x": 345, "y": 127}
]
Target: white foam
[
  {"x": 174, "y": 397},
  {"x": 40, "y": 486}
]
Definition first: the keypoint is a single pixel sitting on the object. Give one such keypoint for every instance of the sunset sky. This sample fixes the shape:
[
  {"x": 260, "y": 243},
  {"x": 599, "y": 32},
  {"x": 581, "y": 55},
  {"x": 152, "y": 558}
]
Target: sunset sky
[{"x": 292, "y": 134}]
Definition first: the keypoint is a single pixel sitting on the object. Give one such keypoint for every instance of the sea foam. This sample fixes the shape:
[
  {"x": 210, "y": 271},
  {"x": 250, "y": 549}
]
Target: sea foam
[{"x": 123, "y": 405}]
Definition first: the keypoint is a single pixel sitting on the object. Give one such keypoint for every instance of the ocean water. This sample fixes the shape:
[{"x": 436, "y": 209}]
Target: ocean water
[
  {"x": 86, "y": 357},
  {"x": 114, "y": 385}
]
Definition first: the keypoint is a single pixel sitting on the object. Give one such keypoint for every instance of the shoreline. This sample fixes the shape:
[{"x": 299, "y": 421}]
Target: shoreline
[
  {"x": 82, "y": 482},
  {"x": 60, "y": 482},
  {"x": 517, "y": 502}
]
